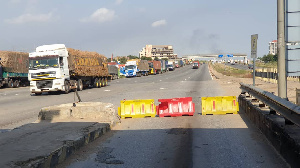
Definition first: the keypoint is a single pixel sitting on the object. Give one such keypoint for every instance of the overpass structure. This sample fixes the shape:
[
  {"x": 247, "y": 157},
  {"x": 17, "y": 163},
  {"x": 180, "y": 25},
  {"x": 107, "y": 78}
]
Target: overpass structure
[{"x": 216, "y": 57}]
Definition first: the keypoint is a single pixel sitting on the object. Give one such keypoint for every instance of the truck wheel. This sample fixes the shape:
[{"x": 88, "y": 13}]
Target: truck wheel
[
  {"x": 39, "y": 93},
  {"x": 106, "y": 82},
  {"x": 16, "y": 84},
  {"x": 67, "y": 87},
  {"x": 103, "y": 82},
  {"x": 10, "y": 83},
  {"x": 79, "y": 85}
]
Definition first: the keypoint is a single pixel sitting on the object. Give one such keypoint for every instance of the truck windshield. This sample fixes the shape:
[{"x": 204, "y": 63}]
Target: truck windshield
[
  {"x": 43, "y": 62},
  {"x": 195, "y": 64},
  {"x": 129, "y": 67}
]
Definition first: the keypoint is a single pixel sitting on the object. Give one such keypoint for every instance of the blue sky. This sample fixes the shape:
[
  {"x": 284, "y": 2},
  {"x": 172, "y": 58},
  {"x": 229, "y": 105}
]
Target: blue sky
[{"x": 124, "y": 27}]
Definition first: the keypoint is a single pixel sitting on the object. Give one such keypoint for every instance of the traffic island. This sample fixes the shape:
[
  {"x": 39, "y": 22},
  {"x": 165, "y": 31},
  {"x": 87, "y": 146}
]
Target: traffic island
[{"x": 50, "y": 140}]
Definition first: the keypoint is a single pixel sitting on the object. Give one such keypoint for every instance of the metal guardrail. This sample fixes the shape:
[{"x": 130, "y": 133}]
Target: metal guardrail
[{"x": 287, "y": 109}]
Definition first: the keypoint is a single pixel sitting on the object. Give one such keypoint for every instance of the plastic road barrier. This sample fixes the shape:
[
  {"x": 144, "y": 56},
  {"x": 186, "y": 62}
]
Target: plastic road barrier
[
  {"x": 219, "y": 105},
  {"x": 176, "y": 107},
  {"x": 137, "y": 108}
]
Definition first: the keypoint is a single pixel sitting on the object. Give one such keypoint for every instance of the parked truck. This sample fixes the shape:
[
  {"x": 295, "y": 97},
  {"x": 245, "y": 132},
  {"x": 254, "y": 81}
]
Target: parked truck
[
  {"x": 196, "y": 64},
  {"x": 154, "y": 67},
  {"x": 13, "y": 69},
  {"x": 164, "y": 65},
  {"x": 136, "y": 68},
  {"x": 57, "y": 68},
  {"x": 171, "y": 65},
  {"x": 113, "y": 71}
]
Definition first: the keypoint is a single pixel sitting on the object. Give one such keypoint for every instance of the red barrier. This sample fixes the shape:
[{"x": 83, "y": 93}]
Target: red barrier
[{"x": 176, "y": 107}]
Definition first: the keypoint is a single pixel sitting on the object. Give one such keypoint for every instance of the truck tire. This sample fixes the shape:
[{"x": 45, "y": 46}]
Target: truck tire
[
  {"x": 97, "y": 83},
  {"x": 16, "y": 84},
  {"x": 79, "y": 85},
  {"x": 38, "y": 94},
  {"x": 10, "y": 83},
  {"x": 105, "y": 81},
  {"x": 67, "y": 87}
]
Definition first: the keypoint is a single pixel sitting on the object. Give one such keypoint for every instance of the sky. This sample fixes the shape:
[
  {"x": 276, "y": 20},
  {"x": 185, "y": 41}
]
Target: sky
[{"x": 124, "y": 27}]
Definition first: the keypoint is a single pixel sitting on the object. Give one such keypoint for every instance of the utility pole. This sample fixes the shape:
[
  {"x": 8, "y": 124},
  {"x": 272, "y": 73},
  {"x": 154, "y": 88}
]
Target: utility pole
[{"x": 282, "y": 84}]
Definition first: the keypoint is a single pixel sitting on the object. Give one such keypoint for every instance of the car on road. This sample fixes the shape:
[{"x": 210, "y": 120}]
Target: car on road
[
  {"x": 250, "y": 66},
  {"x": 170, "y": 67}
]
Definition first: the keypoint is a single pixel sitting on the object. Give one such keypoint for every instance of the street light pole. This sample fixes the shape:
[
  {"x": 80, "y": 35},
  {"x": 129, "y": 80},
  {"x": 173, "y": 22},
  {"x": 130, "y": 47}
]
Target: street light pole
[{"x": 282, "y": 84}]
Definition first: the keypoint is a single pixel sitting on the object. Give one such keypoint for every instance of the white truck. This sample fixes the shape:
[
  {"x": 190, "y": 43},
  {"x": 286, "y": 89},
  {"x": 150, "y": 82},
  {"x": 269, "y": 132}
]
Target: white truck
[{"x": 57, "y": 68}]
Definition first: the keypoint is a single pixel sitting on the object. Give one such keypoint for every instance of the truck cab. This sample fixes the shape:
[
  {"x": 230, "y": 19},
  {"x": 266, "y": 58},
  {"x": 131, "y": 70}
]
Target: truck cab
[
  {"x": 48, "y": 68},
  {"x": 131, "y": 69}
]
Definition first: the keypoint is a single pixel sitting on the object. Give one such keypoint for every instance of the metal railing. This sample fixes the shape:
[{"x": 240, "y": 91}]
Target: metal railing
[{"x": 285, "y": 108}]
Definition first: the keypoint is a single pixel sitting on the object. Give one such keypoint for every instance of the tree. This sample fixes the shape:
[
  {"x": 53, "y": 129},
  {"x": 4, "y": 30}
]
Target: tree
[
  {"x": 146, "y": 58},
  {"x": 156, "y": 59},
  {"x": 165, "y": 59},
  {"x": 132, "y": 57},
  {"x": 269, "y": 58},
  {"x": 122, "y": 60}
]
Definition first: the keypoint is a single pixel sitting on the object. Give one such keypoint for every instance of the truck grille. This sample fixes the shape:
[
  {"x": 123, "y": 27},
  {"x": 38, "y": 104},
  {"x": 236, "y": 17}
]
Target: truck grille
[{"x": 44, "y": 84}]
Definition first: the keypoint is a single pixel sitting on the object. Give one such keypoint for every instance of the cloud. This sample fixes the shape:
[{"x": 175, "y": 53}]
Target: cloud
[
  {"x": 25, "y": 18},
  {"x": 15, "y": 1},
  {"x": 118, "y": 2},
  {"x": 100, "y": 15},
  {"x": 159, "y": 23}
]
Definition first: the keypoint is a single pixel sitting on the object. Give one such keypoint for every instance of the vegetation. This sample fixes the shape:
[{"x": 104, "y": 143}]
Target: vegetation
[
  {"x": 269, "y": 58},
  {"x": 165, "y": 59},
  {"x": 122, "y": 60},
  {"x": 132, "y": 57},
  {"x": 230, "y": 71},
  {"x": 156, "y": 59},
  {"x": 146, "y": 58}
]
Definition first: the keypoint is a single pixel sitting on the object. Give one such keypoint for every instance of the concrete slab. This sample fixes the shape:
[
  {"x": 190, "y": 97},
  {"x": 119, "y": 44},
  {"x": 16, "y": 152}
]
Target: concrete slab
[
  {"x": 45, "y": 144},
  {"x": 59, "y": 132},
  {"x": 102, "y": 112}
]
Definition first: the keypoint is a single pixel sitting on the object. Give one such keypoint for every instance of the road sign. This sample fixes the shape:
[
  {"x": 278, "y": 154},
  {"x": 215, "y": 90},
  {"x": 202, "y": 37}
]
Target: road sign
[
  {"x": 220, "y": 56},
  {"x": 229, "y": 55},
  {"x": 254, "y": 38}
]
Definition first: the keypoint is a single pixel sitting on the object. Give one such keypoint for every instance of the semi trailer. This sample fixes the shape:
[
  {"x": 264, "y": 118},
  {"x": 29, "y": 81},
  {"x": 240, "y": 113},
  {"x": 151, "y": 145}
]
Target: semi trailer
[{"x": 55, "y": 68}]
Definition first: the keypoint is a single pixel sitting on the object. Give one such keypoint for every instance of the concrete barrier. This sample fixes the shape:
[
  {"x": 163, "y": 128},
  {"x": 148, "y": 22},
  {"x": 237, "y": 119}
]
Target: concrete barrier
[
  {"x": 102, "y": 112},
  {"x": 284, "y": 138}
]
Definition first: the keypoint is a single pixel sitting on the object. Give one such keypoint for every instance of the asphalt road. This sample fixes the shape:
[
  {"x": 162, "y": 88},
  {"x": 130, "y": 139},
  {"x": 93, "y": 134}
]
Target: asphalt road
[{"x": 197, "y": 141}]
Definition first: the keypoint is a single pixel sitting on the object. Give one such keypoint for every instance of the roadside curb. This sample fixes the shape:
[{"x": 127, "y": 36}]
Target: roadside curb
[{"x": 68, "y": 148}]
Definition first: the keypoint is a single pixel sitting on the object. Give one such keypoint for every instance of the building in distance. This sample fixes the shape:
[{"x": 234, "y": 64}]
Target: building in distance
[
  {"x": 159, "y": 51},
  {"x": 273, "y": 47}
]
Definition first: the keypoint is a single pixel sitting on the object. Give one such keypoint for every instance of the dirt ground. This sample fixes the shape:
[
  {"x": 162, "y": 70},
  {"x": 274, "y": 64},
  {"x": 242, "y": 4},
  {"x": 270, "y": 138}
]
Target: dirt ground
[{"x": 231, "y": 85}]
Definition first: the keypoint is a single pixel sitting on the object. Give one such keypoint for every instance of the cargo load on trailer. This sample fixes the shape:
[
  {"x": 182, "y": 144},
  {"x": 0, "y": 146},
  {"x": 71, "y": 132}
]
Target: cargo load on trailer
[
  {"x": 113, "y": 71},
  {"x": 13, "y": 68},
  {"x": 164, "y": 65},
  {"x": 154, "y": 67},
  {"x": 57, "y": 68}
]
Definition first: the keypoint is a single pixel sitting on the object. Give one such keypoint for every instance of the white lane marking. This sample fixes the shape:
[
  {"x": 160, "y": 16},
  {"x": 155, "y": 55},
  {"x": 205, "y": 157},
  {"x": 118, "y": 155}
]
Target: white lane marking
[
  {"x": 162, "y": 88},
  {"x": 17, "y": 94},
  {"x": 106, "y": 90},
  {"x": 160, "y": 80}
]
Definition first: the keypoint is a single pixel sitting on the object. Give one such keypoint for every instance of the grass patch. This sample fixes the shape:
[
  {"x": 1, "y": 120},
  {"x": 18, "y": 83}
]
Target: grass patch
[
  {"x": 230, "y": 71},
  {"x": 266, "y": 65}
]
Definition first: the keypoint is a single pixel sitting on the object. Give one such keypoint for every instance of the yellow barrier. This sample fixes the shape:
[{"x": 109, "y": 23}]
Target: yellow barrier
[
  {"x": 219, "y": 105},
  {"x": 137, "y": 108}
]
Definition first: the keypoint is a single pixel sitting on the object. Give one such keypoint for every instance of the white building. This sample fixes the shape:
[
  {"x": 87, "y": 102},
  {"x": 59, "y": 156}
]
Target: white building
[
  {"x": 273, "y": 47},
  {"x": 160, "y": 51}
]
